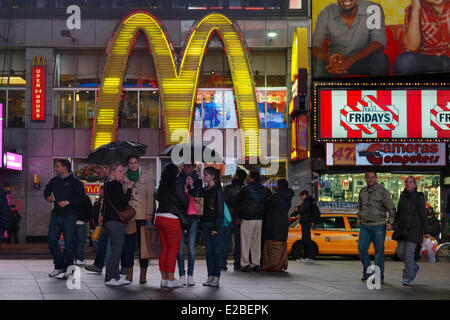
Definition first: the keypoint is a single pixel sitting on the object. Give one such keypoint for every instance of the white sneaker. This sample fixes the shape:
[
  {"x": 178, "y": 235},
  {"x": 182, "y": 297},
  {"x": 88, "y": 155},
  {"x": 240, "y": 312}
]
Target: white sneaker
[
  {"x": 80, "y": 262},
  {"x": 215, "y": 282},
  {"x": 163, "y": 284},
  {"x": 123, "y": 281},
  {"x": 182, "y": 279},
  {"x": 113, "y": 283},
  {"x": 174, "y": 284},
  {"x": 307, "y": 260},
  {"x": 55, "y": 272},
  {"x": 208, "y": 281},
  {"x": 190, "y": 281}
]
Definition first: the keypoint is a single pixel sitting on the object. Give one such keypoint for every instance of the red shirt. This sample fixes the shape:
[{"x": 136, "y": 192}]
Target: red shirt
[{"x": 434, "y": 30}]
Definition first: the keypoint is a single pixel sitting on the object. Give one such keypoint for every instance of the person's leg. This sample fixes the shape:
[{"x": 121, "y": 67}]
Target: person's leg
[
  {"x": 69, "y": 224},
  {"x": 217, "y": 251},
  {"x": 227, "y": 244},
  {"x": 192, "y": 234},
  {"x": 116, "y": 231},
  {"x": 256, "y": 243},
  {"x": 79, "y": 250},
  {"x": 377, "y": 64},
  {"x": 237, "y": 246},
  {"x": 143, "y": 263},
  {"x": 363, "y": 247},
  {"x": 16, "y": 235},
  {"x": 161, "y": 227},
  {"x": 180, "y": 256},
  {"x": 83, "y": 239},
  {"x": 378, "y": 244},
  {"x": 127, "y": 257},
  {"x": 410, "y": 264},
  {"x": 208, "y": 241},
  {"x": 245, "y": 242},
  {"x": 401, "y": 246},
  {"x": 54, "y": 233},
  {"x": 411, "y": 62},
  {"x": 174, "y": 242},
  {"x": 306, "y": 241}
]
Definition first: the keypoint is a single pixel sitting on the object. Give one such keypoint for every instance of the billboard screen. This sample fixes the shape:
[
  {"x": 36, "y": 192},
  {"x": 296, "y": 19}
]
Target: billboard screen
[{"x": 380, "y": 37}]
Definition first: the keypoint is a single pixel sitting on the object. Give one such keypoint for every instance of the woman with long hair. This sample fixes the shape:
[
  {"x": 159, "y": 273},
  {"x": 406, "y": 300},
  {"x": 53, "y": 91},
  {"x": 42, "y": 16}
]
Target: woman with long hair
[
  {"x": 173, "y": 203},
  {"x": 212, "y": 224},
  {"x": 410, "y": 225},
  {"x": 115, "y": 200}
]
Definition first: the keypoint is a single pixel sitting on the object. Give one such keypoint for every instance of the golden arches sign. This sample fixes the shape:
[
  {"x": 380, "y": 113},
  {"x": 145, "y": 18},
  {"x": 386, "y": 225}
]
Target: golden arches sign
[{"x": 177, "y": 88}]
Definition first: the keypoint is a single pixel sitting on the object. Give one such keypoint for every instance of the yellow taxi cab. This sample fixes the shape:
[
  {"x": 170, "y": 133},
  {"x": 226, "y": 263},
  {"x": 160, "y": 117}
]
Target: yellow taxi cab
[{"x": 337, "y": 234}]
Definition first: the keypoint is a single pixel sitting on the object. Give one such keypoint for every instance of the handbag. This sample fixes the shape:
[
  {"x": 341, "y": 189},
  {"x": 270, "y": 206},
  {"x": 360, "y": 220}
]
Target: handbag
[
  {"x": 192, "y": 209},
  {"x": 150, "y": 243},
  {"x": 125, "y": 215},
  {"x": 96, "y": 234},
  {"x": 199, "y": 205}
]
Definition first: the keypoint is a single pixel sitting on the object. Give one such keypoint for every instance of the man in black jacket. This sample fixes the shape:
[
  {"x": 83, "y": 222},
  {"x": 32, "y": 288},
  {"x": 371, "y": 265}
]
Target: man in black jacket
[
  {"x": 304, "y": 211},
  {"x": 66, "y": 193},
  {"x": 230, "y": 193},
  {"x": 13, "y": 228},
  {"x": 251, "y": 201}
]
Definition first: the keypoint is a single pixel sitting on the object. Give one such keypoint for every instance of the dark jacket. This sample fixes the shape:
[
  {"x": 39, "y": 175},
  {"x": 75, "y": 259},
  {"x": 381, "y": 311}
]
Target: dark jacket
[
  {"x": 229, "y": 194},
  {"x": 114, "y": 193},
  {"x": 65, "y": 189},
  {"x": 213, "y": 206},
  {"x": 15, "y": 220},
  {"x": 5, "y": 211},
  {"x": 85, "y": 211},
  {"x": 97, "y": 209},
  {"x": 411, "y": 220},
  {"x": 172, "y": 199},
  {"x": 435, "y": 226},
  {"x": 304, "y": 211},
  {"x": 251, "y": 201},
  {"x": 276, "y": 220}
]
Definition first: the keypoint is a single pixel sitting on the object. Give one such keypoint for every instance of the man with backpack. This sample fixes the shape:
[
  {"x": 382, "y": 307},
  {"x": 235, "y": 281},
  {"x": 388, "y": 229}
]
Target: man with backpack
[{"x": 309, "y": 214}]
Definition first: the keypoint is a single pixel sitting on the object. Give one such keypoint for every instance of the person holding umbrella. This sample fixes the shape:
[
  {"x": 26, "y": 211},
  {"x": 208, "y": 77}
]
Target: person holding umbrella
[
  {"x": 142, "y": 201},
  {"x": 115, "y": 199}
]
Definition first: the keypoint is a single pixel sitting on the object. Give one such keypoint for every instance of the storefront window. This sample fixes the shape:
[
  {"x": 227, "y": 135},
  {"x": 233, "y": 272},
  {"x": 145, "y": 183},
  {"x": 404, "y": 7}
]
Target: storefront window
[
  {"x": 212, "y": 109},
  {"x": 341, "y": 191},
  {"x": 85, "y": 108},
  {"x": 149, "y": 109},
  {"x": 276, "y": 109},
  {"x": 65, "y": 102},
  {"x": 16, "y": 108},
  {"x": 261, "y": 98},
  {"x": 128, "y": 113},
  {"x": 198, "y": 122}
]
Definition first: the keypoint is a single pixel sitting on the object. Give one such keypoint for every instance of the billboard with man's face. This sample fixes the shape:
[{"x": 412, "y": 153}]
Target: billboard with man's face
[{"x": 380, "y": 37}]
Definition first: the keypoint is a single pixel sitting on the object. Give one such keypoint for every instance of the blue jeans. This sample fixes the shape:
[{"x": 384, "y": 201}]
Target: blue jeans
[
  {"x": 103, "y": 249},
  {"x": 80, "y": 240},
  {"x": 375, "y": 235},
  {"x": 214, "y": 248},
  {"x": 230, "y": 231},
  {"x": 66, "y": 226},
  {"x": 411, "y": 62},
  {"x": 191, "y": 234}
]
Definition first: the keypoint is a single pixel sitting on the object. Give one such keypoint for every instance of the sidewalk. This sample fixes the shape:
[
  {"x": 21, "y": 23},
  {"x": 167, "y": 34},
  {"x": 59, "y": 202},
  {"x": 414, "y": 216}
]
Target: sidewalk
[{"x": 325, "y": 279}]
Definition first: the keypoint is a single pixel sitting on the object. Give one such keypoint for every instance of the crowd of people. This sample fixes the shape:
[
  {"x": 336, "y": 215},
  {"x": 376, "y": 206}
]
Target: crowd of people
[{"x": 244, "y": 213}]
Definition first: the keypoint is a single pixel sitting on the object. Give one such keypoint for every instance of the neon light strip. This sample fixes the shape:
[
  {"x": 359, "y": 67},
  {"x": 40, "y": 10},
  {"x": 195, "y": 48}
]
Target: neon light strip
[
  {"x": 177, "y": 88},
  {"x": 1, "y": 133}
]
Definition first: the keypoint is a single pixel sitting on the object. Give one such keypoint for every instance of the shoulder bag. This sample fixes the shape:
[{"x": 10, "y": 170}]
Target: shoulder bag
[{"x": 125, "y": 215}]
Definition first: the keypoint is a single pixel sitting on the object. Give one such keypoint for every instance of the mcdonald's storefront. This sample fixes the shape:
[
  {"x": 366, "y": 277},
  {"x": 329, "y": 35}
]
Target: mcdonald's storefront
[{"x": 149, "y": 78}]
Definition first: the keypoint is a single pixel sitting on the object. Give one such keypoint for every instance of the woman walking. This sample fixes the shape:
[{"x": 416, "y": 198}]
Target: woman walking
[
  {"x": 173, "y": 204},
  {"x": 142, "y": 201},
  {"x": 275, "y": 228},
  {"x": 115, "y": 200},
  {"x": 410, "y": 225},
  {"x": 213, "y": 225}
]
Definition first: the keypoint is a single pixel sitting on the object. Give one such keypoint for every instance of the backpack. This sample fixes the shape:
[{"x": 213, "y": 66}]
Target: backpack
[{"x": 315, "y": 213}]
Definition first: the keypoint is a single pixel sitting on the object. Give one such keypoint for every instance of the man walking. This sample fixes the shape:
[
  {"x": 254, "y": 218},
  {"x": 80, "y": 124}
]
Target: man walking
[
  {"x": 234, "y": 228},
  {"x": 13, "y": 228},
  {"x": 374, "y": 205},
  {"x": 5, "y": 212},
  {"x": 66, "y": 193},
  {"x": 251, "y": 199}
]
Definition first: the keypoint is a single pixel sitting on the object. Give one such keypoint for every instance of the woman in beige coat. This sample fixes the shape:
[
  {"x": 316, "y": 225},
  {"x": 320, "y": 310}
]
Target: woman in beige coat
[{"x": 142, "y": 198}]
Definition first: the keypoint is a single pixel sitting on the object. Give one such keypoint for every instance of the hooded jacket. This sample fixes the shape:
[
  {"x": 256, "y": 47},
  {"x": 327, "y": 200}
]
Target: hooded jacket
[
  {"x": 374, "y": 206},
  {"x": 276, "y": 220},
  {"x": 411, "y": 220}
]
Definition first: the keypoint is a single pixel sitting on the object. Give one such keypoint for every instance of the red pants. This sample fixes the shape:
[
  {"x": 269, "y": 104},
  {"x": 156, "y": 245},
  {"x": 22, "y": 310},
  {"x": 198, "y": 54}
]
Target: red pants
[{"x": 169, "y": 231}]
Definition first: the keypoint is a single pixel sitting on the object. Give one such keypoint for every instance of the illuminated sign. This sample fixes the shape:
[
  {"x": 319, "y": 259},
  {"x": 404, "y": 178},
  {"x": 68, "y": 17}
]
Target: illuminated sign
[
  {"x": 92, "y": 188},
  {"x": 386, "y": 154},
  {"x": 177, "y": 85},
  {"x": 38, "y": 89},
  {"x": 300, "y": 138},
  {"x": 1, "y": 131},
  {"x": 12, "y": 161},
  {"x": 380, "y": 113},
  {"x": 300, "y": 71}
]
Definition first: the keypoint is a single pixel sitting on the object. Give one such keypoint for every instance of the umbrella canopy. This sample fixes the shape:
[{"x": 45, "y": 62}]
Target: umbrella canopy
[
  {"x": 194, "y": 148},
  {"x": 118, "y": 151}
]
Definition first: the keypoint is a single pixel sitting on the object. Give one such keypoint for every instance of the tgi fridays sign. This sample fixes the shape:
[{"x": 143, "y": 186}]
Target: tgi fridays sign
[
  {"x": 386, "y": 154},
  {"x": 389, "y": 114},
  {"x": 38, "y": 89}
]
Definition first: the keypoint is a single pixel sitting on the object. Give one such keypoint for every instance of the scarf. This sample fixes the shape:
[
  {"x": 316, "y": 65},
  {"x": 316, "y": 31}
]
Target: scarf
[{"x": 133, "y": 175}]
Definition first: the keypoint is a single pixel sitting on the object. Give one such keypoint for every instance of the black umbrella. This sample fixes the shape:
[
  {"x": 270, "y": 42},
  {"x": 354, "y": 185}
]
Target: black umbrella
[
  {"x": 118, "y": 151},
  {"x": 194, "y": 147}
]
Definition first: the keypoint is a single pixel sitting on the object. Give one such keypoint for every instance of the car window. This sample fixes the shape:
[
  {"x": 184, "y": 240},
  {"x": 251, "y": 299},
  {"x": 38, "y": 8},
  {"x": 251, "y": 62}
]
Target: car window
[
  {"x": 331, "y": 223},
  {"x": 353, "y": 221}
]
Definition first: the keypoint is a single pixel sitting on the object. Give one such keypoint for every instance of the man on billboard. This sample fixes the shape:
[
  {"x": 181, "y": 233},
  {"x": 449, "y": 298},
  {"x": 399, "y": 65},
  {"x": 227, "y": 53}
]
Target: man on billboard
[
  {"x": 426, "y": 38},
  {"x": 356, "y": 33}
]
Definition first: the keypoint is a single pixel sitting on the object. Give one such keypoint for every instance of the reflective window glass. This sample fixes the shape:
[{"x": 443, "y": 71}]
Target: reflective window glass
[
  {"x": 149, "y": 109},
  {"x": 85, "y": 108},
  {"x": 16, "y": 108},
  {"x": 276, "y": 109},
  {"x": 213, "y": 109},
  {"x": 65, "y": 108},
  {"x": 128, "y": 113}
]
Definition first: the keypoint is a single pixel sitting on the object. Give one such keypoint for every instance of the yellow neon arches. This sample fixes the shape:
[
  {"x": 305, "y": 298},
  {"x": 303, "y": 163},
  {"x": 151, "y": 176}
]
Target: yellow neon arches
[{"x": 177, "y": 88}]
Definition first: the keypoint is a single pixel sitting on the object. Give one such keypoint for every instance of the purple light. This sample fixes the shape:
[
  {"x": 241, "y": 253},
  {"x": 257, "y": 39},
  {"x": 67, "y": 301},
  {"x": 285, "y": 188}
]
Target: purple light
[
  {"x": 1, "y": 131},
  {"x": 13, "y": 161}
]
